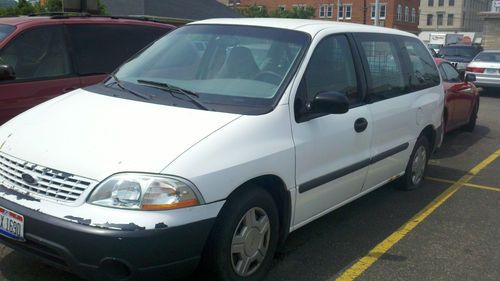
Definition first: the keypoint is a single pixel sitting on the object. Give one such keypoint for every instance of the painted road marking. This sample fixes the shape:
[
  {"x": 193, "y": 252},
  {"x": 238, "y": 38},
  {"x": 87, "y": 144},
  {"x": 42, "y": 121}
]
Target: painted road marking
[
  {"x": 465, "y": 184},
  {"x": 364, "y": 263}
]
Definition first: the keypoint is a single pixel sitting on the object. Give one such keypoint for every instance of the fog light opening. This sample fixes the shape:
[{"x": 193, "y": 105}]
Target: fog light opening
[{"x": 115, "y": 269}]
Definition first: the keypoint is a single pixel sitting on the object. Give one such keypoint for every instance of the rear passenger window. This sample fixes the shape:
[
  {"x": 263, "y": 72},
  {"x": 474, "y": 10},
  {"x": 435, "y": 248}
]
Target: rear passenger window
[
  {"x": 102, "y": 48},
  {"x": 423, "y": 72},
  {"x": 385, "y": 71}
]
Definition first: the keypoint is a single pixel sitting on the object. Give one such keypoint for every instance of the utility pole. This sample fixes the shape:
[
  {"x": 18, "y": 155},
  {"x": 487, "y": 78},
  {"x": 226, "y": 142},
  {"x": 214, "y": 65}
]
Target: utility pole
[
  {"x": 339, "y": 6},
  {"x": 376, "y": 12}
]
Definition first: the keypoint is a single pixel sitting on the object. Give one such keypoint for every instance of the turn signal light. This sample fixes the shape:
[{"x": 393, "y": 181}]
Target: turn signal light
[{"x": 475, "y": 69}]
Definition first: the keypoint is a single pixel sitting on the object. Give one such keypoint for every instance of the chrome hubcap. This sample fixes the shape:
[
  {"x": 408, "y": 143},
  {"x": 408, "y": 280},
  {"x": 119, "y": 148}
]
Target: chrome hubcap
[
  {"x": 418, "y": 165},
  {"x": 250, "y": 242}
]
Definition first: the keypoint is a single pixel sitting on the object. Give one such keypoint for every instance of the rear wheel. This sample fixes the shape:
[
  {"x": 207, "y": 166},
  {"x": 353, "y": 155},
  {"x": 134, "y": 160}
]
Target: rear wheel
[
  {"x": 417, "y": 165},
  {"x": 244, "y": 239},
  {"x": 469, "y": 127}
]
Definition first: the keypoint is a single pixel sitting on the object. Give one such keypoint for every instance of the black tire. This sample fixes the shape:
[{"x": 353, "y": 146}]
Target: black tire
[
  {"x": 469, "y": 127},
  {"x": 218, "y": 258},
  {"x": 409, "y": 180}
]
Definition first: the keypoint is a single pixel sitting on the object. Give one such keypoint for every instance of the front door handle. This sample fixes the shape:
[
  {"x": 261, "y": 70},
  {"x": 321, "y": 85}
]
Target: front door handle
[{"x": 360, "y": 125}]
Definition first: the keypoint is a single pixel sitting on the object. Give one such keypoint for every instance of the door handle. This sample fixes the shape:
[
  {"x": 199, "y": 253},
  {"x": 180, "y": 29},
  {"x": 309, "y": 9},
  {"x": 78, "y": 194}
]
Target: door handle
[
  {"x": 360, "y": 125},
  {"x": 67, "y": 90}
]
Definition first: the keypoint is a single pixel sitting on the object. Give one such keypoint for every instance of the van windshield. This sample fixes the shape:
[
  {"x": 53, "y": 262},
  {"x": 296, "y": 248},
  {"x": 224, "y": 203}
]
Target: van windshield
[
  {"x": 5, "y": 30},
  {"x": 458, "y": 52},
  {"x": 227, "y": 66}
]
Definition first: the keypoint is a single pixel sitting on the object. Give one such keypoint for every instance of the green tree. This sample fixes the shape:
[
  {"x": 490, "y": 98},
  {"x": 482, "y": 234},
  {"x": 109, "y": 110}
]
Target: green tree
[{"x": 254, "y": 11}]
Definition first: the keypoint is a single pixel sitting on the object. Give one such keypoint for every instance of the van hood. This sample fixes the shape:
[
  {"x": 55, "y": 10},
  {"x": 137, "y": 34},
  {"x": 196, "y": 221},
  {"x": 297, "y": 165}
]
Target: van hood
[{"x": 95, "y": 136}]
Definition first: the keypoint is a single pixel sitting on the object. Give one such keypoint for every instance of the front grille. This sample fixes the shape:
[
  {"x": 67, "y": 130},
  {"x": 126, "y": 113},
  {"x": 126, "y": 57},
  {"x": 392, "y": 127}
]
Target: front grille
[{"x": 48, "y": 182}]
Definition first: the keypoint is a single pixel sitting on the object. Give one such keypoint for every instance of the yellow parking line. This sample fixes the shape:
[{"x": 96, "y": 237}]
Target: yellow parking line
[
  {"x": 465, "y": 184},
  {"x": 364, "y": 263}
]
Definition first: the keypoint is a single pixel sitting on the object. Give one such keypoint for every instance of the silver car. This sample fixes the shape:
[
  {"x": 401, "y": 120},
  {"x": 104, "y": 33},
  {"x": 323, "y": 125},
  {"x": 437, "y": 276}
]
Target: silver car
[{"x": 486, "y": 67}]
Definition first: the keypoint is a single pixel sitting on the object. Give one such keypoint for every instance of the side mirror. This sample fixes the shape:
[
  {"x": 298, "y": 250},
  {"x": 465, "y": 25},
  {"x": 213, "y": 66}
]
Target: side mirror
[
  {"x": 470, "y": 77},
  {"x": 7, "y": 72},
  {"x": 329, "y": 102},
  {"x": 461, "y": 72}
]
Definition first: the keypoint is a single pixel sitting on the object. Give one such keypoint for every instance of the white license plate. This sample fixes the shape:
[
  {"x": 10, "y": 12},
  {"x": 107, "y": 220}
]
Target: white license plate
[
  {"x": 11, "y": 224},
  {"x": 491, "y": 71}
]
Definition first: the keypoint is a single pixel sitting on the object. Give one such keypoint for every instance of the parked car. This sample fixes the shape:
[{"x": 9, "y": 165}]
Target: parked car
[
  {"x": 461, "y": 98},
  {"x": 42, "y": 57},
  {"x": 459, "y": 55},
  {"x": 486, "y": 67},
  {"x": 211, "y": 153}
]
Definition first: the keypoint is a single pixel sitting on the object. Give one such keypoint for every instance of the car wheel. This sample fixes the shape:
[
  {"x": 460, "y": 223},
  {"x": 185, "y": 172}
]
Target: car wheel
[
  {"x": 244, "y": 238},
  {"x": 417, "y": 165},
  {"x": 469, "y": 127}
]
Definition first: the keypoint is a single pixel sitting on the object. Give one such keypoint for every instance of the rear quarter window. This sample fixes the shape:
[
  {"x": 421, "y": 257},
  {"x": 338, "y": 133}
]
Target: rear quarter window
[
  {"x": 100, "y": 48},
  {"x": 5, "y": 30}
]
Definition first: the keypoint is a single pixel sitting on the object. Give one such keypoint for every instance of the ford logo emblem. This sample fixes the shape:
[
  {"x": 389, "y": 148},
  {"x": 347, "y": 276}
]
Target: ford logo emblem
[{"x": 29, "y": 179}]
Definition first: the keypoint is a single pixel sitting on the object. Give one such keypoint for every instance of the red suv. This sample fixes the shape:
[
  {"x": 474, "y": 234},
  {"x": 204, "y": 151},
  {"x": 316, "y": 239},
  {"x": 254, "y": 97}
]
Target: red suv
[{"x": 42, "y": 57}]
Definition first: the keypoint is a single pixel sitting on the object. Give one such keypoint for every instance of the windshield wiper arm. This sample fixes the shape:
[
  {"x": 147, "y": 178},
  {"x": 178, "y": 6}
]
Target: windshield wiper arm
[
  {"x": 174, "y": 89},
  {"x": 119, "y": 84}
]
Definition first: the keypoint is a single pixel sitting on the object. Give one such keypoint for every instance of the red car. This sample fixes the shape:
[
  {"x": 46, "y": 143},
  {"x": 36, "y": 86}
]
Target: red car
[
  {"x": 42, "y": 57},
  {"x": 461, "y": 98}
]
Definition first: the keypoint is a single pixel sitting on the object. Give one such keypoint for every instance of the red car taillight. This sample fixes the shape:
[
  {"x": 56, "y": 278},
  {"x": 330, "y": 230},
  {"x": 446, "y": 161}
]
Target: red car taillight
[{"x": 475, "y": 69}]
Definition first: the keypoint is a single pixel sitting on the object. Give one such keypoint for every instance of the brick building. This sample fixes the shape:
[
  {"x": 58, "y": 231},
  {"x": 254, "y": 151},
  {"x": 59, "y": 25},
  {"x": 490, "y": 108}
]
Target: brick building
[{"x": 399, "y": 14}]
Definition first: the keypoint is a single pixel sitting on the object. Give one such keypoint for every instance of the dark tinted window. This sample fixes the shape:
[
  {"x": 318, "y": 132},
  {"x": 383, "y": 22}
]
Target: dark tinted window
[
  {"x": 38, "y": 53},
  {"x": 385, "y": 71},
  {"x": 452, "y": 74},
  {"x": 5, "y": 30},
  {"x": 423, "y": 72},
  {"x": 102, "y": 48}
]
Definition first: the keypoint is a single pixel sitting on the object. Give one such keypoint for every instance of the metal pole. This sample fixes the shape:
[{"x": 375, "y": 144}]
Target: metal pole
[
  {"x": 339, "y": 6},
  {"x": 376, "y": 12}
]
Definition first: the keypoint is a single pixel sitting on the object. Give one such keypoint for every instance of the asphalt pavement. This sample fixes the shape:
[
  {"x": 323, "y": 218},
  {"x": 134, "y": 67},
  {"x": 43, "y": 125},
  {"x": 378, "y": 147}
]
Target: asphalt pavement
[{"x": 447, "y": 230}]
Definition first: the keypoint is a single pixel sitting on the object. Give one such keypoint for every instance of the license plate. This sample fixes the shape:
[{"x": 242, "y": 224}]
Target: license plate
[
  {"x": 11, "y": 224},
  {"x": 491, "y": 71}
]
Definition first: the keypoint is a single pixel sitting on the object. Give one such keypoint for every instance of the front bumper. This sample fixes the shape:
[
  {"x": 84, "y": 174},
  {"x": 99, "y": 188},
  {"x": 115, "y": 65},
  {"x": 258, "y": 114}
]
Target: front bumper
[{"x": 105, "y": 254}]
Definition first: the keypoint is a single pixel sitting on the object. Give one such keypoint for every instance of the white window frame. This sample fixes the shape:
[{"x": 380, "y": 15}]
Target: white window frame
[
  {"x": 399, "y": 14},
  {"x": 322, "y": 11},
  {"x": 329, "y": 11},
  {"x": 345, "y": 11},
  {"x": 413, "y": 15},
  {"x": 325, "y": 11},
  {"x": 380, "y": 17},
  {"x": 407, "y": 14}
]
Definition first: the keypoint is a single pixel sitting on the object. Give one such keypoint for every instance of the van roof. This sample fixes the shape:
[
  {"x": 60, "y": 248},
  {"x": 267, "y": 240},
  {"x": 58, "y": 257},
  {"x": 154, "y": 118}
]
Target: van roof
[{"x": 305, "y": 25}]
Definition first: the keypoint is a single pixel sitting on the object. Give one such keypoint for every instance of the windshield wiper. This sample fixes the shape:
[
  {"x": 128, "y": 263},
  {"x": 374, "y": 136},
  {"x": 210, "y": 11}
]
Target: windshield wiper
[
  {"x": 177, "y": 90},
  {"x": 120, "y": 85}
]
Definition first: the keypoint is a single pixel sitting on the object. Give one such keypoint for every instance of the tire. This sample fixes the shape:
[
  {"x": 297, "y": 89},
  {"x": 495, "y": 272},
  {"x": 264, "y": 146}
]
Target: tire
[
  {"x": 227, "y": 249},
  {"x": 469, "y": 127},
  {"x": 416, "y": 169}
]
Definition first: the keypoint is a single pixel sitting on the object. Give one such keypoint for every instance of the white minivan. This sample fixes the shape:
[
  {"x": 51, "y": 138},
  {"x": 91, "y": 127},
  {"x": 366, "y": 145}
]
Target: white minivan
[{"x": 209, "y": 147}]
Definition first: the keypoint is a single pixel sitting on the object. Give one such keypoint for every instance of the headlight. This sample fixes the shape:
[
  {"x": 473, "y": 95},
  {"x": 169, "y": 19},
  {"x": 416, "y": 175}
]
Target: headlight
[{"x": 145, "y": 192}]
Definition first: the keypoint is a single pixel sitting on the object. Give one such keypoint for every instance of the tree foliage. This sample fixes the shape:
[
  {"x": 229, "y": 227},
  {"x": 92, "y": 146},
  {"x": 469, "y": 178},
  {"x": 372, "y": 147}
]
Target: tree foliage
[
  {"x": 255, "y": 11},
  {"x": 23, "y": 7}
]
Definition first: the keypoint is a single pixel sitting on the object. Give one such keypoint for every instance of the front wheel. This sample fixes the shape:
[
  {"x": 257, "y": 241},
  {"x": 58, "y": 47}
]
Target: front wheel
[
  {"x": 244, "y": 239},
  {"x": 417, "y": 165}
]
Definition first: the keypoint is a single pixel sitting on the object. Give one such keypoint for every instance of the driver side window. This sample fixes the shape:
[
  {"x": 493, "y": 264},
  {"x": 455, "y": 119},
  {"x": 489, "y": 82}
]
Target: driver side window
[
  {"x": 451, "y": 74},
  {"x": 38, "y": 53}
]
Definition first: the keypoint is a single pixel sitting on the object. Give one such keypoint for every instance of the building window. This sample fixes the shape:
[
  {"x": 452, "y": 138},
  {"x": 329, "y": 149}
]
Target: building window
[
  {"x": 400, "y": 12},
  {"x": 413, "y": 15},
  {"x": 381, "y": 12},
  {"x": 441, "y": 3},
  {"x": 326, "y": 10},
  {"x": 430, "y": 3},
  {"x": 299, "y": 6},
  {"x": 451, "y": 3},
  {"x": 429, "y": 19},
  {"x": 407, "y": 13},
  {"x": 450, "y": 19},
  {"x": 347, "y": 11},
  {"x": 440, "y": 19},
  {"x": 282, "y": 8}
]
